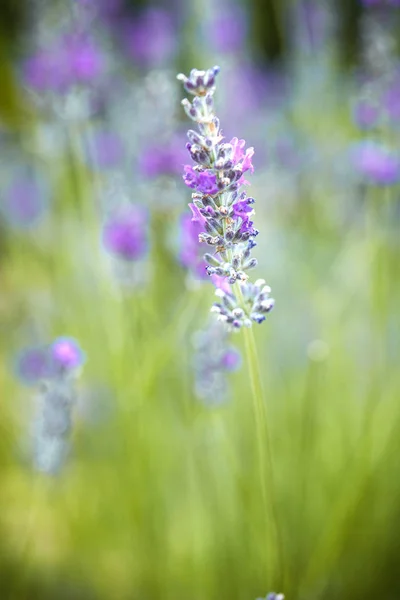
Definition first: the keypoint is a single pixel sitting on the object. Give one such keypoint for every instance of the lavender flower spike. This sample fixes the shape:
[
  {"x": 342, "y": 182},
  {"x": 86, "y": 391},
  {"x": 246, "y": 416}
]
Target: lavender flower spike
[
  {"x": 221, "y": 210},
  {"x": 53, "y": 423}
]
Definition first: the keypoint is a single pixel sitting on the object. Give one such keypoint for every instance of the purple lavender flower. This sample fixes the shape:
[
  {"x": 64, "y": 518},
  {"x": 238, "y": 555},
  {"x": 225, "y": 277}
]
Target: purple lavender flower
[
  {"x": 161, "y": 159},
  {"x": 66, "y": 355},
  {"x": 391, "y": 100},
  {"x": 108, "y": 150},
  {"x": 231, "y": 360},
  {"x": 125, "y": 233},
  {"x": 227, "y": 31},
  {"x": 53, "y": 422},
  {"x": 32, "y": 365},
  {"x": 273, "y": 596},
  {"x": 394, "y": 3},
  {"x": 366, "y": 114},
  {"x": 24, "y": 201},
  {"x": 220, "y": 209},
  {"x": 74, "y": 59},
  {"x": 150, "y": 39},
  {"x": 376, "y": 163},
  {"x": 190, "y": 256}
]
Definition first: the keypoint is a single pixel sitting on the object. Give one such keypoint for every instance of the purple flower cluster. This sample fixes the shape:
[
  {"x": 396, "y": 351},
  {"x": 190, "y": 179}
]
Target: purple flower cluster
[
  {"x": 24, "y": 201},
  {"x": 376, "y": 164},
  {"x": 55, "y": 367},
  {"x": 393, "y": 3},
  {"x": 38, "y": 363},
  {"x": 161, "y": 159},
  {"x": 125, "y": 234},
  {"x": 221, "y": 211},
  {"x": 74, "y": 59},
  {"x": 151, "y": 38}
]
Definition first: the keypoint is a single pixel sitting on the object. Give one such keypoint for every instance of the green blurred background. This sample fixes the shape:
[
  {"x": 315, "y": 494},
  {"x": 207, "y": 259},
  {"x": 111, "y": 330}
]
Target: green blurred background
[{"x": 161, "y": 495}]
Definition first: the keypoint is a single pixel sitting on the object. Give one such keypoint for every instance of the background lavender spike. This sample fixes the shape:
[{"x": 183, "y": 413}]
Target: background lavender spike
[
  {"x": 53, "y": 422},
  {"x": 213, "y": 359}
]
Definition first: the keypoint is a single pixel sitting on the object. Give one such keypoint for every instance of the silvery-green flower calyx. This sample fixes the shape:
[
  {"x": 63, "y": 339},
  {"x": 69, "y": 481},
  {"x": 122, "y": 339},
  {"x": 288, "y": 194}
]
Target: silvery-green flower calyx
[
  {"x": 256, "y": 305},
  {"x": 199, "y": 82},
  {"x": 221, "y": 210}
]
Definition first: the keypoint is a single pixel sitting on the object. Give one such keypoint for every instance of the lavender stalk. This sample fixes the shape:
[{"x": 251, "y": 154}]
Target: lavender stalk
[{"x": 224, "y": 213}]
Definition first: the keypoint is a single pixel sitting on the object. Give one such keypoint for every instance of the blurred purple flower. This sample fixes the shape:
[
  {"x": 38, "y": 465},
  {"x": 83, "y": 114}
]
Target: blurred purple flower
[
  {"x": 377, "y": 164},
  {"x": 125, "y": 233},
  {"x": 107, "y": 149},
  {"x": 394, "y": 3},
  {"x": 231, "y": 360},
  {"x": 150, "y": 40},
  {"x": 66, "y": 354},
  {"x": 315, "y": 19},
  {"x": 23, "y": 201},
  {"x": 74, "y": 59},
  {"x": 365, "y": 114},
  {"x": 191, "y": 253},
  {"x": 162, "y": 159},
  {"x": 391, "y": 100},
  {"x": 227, "y": 31},
  {"x": 82, "y": 59},
  {"x": 32, "y": 365}
]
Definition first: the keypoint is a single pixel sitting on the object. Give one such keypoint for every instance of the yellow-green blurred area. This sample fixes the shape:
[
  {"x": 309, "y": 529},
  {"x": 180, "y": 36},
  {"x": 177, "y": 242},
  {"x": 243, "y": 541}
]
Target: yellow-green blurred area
[{"x": 161, "y": 494}]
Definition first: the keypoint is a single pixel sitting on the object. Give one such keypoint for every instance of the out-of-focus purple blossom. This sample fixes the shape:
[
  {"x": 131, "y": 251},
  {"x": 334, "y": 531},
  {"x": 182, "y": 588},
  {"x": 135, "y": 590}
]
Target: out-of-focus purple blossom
[
  {"x": 366, "y": 114},
  {"x": 107, "y": 149},
  {"x": 226, "y": 33},
  {"x": 391, "y": 100},
  {"x": 23, "y": 202},
  {"x": 83, "y": 59},
  {"x": 53, "y": 422},
  {"x": 74, "y": 59},
  {"x": 191, "y": 255},
  {"x": 314, "y": 18},
  {"x": 376, "y": 164},
  {"x": 125, "y": 234},
  {"x": 214, "y": 358},
  {"x": 231, "y": 360},
  {"x": 249, "y": 91},
  {"x": 32, "y": 365},
  {"x": 221, "y": 283},
  {"x": 66, "y": 355},
  {"x": 394, "y": 3},
  {"x": 162, "y": 159},
  {"x": 151, "y": 38}
]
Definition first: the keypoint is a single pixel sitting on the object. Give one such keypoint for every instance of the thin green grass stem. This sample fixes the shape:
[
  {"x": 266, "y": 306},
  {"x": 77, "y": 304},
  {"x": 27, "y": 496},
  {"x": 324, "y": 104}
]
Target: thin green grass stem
[{"x": 264, "y": 446}]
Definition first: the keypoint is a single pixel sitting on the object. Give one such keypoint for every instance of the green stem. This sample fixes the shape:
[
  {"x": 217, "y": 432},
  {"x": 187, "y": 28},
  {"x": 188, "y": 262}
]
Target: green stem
[{"x": 264, "y": 446}]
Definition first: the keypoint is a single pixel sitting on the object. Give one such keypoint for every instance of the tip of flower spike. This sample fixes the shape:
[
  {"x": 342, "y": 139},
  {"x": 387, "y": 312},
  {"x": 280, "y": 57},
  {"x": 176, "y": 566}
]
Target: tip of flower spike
[{"x": 66, "y": 354}]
